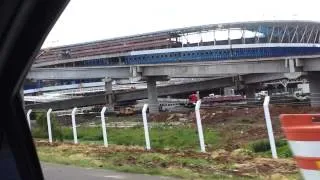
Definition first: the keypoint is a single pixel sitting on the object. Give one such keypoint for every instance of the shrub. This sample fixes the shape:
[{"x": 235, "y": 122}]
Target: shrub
[
  {"x": 284, "y": 151},
  {"x": 41, "y": 130},
  {"x": 264, "y": 145},
  {"x": 260, "y": 146}
]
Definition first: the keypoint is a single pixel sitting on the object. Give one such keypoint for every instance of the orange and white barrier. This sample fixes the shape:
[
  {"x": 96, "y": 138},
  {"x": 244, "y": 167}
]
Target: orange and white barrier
[{"x": 303, "y": 134}]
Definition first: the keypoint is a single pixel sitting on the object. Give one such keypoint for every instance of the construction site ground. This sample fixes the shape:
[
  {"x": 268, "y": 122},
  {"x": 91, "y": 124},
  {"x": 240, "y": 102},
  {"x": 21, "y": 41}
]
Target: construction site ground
[
  {"x": 231, "y": 157},
  {"x": 237, "y": 125}
]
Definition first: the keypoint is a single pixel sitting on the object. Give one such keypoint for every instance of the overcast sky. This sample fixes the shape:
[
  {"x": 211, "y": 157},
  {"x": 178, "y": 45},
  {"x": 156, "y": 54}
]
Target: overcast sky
[{"x": 89, "y": 20}]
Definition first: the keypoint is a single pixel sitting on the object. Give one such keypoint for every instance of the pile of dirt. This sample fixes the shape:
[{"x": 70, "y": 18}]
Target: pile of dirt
[
  {"x": 245, "y": 163},
  {"x": 169, "y": 117},
  {"x": 265, "y": 167},
  {"x": 217, "y": 115}
]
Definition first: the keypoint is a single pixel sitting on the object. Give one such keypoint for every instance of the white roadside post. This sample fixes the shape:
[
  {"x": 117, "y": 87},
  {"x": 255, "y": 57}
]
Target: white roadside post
[
  {"x": 28, "y": 117},
  {"x": 49, "y": 125},
  {"x": 103, "y": 125},
  {"x": 269, "y": 127},
  {"x": 145, "y": 125},
  {"x": 199, "y": 125},
  {"x": 74, "y": 125}
]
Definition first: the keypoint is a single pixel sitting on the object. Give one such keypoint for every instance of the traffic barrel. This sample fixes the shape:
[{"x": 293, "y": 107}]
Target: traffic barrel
[{"x": 303, "y": 134}]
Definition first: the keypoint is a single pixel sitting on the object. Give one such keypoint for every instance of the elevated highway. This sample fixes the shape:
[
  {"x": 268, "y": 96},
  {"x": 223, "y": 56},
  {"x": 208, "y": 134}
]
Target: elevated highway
[
  {"x": 162, "y": 91},
  {"x": 135, "y": 94},
  {"x": 264, "y": 47},
  {"x": 203, "y": 69},
  {"x": 185, "y": 70}
]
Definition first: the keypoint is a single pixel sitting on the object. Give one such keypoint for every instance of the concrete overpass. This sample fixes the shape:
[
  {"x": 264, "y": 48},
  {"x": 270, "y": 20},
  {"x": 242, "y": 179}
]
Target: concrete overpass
[
  {"x": 281, "y": 47},
  {"x": 136, "y": 94},
  {"x": 202, "y": 69},
  {"x": 162, "y": 91}
]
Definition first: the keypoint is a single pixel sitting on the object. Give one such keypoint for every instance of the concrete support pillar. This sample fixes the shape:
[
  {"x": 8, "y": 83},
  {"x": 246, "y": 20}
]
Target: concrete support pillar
[
  {"x": 314, "y": 85},
  {"x": 152, "y": 95},
  {"x": 250, "y": 91},
  {"x": 229, "y": 91},
  {"x": 109, "y": 93}
]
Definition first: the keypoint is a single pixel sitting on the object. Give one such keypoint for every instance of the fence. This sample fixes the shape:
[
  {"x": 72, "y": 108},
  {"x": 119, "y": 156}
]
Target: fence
[{"x": 146, "y": 128}]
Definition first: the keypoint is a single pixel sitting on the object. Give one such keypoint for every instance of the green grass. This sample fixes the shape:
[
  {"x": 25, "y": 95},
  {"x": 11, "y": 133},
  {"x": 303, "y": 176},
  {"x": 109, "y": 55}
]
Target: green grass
[
  {"x": 263, "y": 147},
  {"x": 159, "y": 162},
  {"x": 160, "y": 137}
]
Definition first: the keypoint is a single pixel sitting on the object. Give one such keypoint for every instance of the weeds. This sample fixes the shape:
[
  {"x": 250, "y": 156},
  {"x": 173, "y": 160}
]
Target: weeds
[
  {"x": 161, "y": 137},
  {"x": 263, "y": 146},
  {"x": 41, "y": 129}
]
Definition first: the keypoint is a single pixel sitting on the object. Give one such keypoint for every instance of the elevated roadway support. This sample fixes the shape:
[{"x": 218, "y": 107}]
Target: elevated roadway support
[
  {"x": 109, "y": 93},
  {"x": 152, "y": 95},
  {"x": 250, "y": 91},
  {"x": 153, "y": 92},
  {"x": 314, "y": 85}
]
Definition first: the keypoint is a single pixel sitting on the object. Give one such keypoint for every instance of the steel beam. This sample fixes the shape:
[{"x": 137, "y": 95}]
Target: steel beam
[
  {"x": 315, "y": 37},
  {"x": 310, "y": 34},
  {"x": 294, "y": 34},
  {"x": 285, "y": 30},
  {"x": 304, "y": 32},
  {"x": 270, "y": 39}
]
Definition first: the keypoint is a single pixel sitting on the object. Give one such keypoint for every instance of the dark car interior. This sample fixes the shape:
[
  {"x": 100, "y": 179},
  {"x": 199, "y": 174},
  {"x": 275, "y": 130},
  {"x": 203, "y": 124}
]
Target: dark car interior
[{"x": 24, "y": 25}]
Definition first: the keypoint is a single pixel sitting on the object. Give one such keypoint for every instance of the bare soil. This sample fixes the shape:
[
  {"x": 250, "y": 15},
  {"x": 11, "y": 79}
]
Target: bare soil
[{"x": 237, "y": 125}]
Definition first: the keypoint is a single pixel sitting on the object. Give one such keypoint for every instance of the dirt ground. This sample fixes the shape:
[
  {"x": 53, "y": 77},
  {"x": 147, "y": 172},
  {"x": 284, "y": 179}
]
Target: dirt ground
[
  {"x": 238, "y": 125},
  {"x": 240, "y": 163}
]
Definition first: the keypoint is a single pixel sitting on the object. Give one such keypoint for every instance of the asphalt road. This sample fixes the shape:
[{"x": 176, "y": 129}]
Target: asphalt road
[{"x": 62, "y": 172}]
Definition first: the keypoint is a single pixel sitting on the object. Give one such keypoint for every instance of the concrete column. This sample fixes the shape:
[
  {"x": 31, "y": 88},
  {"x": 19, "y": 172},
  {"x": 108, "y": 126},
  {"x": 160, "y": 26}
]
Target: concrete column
[
  {"x": 229, "y": 91},
  {"x": 250, "y": 91},
  {"x": 314, "y": 85},
  {"x": 109, "y": 93},
  {"x": 152, "y": 95}
]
